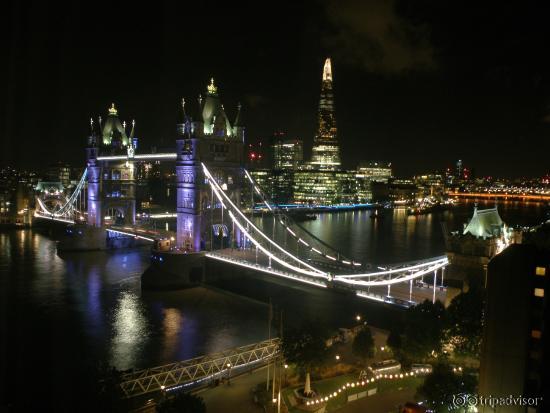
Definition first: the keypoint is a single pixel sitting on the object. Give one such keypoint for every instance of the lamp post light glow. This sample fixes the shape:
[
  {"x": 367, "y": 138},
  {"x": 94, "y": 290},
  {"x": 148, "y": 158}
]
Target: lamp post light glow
[
  {"x": 358, "y": 317},
  {"x": 337, "y": 357}
]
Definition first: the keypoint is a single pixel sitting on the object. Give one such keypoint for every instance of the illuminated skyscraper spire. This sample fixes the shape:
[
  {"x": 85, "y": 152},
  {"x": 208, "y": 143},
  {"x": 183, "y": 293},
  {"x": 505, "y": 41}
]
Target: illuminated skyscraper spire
[
  {"x": 327, "y": 70},
  {"x": 326, "y": 152}
]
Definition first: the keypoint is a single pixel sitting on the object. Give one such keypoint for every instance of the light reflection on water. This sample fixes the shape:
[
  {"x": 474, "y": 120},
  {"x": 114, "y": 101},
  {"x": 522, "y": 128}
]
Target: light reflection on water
[{"x": 130, "y": 331}]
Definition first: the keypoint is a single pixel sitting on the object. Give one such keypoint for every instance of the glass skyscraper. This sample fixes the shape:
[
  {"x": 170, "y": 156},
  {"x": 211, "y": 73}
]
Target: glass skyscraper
[{"x": 326, "y": 152}]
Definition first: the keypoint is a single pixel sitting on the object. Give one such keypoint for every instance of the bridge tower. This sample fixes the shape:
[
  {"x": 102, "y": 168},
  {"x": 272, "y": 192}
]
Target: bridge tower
[
  {"x": 207, "y": 137},
  {"x": 111, "y": 174}
]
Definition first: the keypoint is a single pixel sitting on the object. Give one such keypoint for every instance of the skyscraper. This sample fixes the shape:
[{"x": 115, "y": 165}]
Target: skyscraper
[{"x": 326, "y": 152}]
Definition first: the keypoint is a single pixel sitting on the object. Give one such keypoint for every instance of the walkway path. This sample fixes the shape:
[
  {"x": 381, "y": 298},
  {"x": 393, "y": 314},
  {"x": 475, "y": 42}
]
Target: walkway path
[{"x": 235, "y": 397}]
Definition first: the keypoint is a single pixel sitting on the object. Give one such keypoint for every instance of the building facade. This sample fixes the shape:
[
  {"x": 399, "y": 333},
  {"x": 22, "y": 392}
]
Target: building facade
[
  {"x": 515, "y": 338},
  {"x": 286, "y": 153}
]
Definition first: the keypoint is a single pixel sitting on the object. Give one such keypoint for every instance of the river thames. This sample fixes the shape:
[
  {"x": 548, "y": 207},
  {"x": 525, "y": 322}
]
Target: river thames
[{"x": 66, "y": 314}]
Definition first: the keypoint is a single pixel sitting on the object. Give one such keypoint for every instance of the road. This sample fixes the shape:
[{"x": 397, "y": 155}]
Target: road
[{"x": 400, "y": 290}]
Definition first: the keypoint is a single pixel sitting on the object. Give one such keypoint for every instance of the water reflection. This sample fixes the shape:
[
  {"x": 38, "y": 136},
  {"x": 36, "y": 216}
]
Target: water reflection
[
  {"x": 130, "y": 331},
  {"x": 172, "y": 325}
]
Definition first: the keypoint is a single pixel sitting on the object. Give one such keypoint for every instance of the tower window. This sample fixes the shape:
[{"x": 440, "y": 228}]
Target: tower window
[
  {"x": 540, "y": 271},
  {"x": 539, "y": 292}
]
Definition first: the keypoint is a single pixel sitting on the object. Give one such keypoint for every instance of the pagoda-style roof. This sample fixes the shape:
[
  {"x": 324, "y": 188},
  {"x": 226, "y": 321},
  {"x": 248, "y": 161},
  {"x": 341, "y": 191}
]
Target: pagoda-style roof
[
  {"x": 213, "y": 114},
  {"x": 113, "y": 129},
  {"x": 485, "y": 223}
]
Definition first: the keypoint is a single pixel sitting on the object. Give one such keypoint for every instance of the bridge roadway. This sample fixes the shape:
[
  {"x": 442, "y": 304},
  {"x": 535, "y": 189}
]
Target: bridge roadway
[{"x": 259, "y": 262}]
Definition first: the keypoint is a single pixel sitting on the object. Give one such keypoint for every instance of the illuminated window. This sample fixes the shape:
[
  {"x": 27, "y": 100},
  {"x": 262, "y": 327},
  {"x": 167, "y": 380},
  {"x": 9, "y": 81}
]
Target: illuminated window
[
  {"x": 539, "y": 292},
  {"x": 540, "y": 271},
  {"x": 536, "y": 334}
]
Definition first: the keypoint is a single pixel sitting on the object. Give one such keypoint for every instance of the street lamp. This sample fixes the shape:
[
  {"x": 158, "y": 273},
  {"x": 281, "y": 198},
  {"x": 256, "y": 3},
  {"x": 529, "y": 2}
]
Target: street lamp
[
  {"x": 228, "y": 365},
  {"x": 358, "y": 317},
  {"x": 337, "y": 357}
]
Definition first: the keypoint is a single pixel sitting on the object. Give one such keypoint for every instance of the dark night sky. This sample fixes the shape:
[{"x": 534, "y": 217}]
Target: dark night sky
[{"x": 421, "y": 83}]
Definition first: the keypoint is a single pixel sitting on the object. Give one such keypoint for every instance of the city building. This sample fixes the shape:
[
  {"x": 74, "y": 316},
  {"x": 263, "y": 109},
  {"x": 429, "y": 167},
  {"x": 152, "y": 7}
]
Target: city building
[
  {"x": 16, "y": 197},
  {"x": 396, "y": 191},
  {"x": 324, "y": 187},
  {"x": 59, "y": 172},
  {"x": 286, "y": 153},
  {"x": 430, "y": 185},
  {"x": 375, "y": 171},
  {"x": 326, "y": 151},
  {"x": 515, "y": 338},
  {"x": 369, "y": 172}
]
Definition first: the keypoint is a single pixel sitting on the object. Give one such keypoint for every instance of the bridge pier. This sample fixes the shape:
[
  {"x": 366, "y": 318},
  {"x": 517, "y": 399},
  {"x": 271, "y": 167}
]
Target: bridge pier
[{"x": 173, "y": 270}]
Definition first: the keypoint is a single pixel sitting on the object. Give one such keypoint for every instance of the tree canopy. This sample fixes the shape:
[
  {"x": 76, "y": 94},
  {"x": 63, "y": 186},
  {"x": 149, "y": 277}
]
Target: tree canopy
[
  {"x": 464, "y": 322},
  {"x": 363, "y": 344},
  {"x": 306, "y": 346},
  {"x": 442, "y": 385},
  {"x": 182, "y": 403},
  {"x": 424, "y": 329}
]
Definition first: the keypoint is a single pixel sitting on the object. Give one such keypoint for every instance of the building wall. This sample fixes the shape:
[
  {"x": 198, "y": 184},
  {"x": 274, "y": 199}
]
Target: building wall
[
  {"x": 324, "y": 187},
  {"x": 513, "y": 337}
]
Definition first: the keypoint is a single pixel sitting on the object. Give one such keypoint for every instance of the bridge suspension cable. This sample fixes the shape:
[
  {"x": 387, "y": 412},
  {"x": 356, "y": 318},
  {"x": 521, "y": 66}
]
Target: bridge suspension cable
[
  {"x": 258, "y": 238},
  {"x": 236, "y": 216},
  {"x": 336, "y": 256},
  {"x": 65, "y": 212}
]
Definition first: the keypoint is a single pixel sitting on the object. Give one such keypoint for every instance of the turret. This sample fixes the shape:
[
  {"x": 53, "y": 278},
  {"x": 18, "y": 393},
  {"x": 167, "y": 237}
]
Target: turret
[{"x": 238, "y": 127}]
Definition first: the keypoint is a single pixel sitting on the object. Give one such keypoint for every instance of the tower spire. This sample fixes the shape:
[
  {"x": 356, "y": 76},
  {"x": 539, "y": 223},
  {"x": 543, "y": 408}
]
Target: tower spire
[
  {"x": 132, "y": 131},
  {"x": 212, "y": 88},
  {"x": 327, "y": 70},
  {"x": 238, "y": 117}
]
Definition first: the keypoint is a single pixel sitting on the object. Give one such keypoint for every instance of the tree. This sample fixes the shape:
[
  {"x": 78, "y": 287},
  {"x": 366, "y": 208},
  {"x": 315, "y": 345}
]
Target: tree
[
  {"x": 394, "y": 341},
  {"x": 464, "y": 322},
  {"x": 424, "y": 329},
  {"x": 363, "y": 344},
  {"x": 442, "y": 385},
  {"x": 109, "y": 395},
  {"x": 182, "y": 403},
  {"x": 306, "y": 346}
]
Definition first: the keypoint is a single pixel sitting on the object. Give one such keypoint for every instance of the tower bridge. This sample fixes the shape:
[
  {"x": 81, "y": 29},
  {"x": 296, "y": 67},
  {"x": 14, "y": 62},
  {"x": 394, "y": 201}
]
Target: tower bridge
[{"x": 213, "y": 213}]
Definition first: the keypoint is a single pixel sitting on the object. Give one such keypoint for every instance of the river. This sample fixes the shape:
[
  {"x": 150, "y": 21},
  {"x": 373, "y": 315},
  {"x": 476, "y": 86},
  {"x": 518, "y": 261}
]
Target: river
[{"x": 63, "y": 315}]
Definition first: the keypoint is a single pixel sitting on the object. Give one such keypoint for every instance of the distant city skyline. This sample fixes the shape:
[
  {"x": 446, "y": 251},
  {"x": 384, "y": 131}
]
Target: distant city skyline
[{"x": 481, "y": 95}]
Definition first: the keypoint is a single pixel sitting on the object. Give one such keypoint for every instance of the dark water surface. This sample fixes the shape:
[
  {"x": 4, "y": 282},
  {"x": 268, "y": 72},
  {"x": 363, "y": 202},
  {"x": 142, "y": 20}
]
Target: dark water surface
[{"x": 62, "y": 315}]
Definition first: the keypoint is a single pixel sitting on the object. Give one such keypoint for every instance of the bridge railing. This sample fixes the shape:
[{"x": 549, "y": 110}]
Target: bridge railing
[{"x": 197, "y": 370}]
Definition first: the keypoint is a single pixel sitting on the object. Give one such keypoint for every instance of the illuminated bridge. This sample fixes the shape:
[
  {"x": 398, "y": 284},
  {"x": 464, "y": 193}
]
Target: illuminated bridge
[
  {"x": 214, "y": 212},
  {"x": 275, "y": 245}
]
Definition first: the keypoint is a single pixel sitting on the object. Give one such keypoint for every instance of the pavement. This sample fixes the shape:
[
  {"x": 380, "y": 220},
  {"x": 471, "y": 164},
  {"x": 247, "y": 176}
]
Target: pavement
[{"x": 235, "y": 397}]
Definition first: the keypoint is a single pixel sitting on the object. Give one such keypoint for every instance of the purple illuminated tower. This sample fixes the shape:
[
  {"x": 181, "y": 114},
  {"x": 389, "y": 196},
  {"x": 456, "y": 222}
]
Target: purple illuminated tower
[
  {"x": 111, "y": 175},
  {"x": 210, "y": 138}
]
